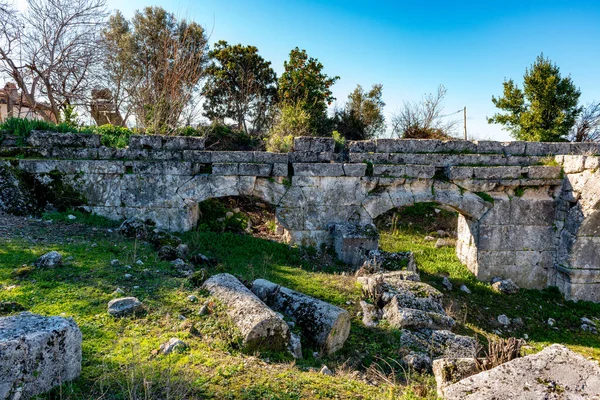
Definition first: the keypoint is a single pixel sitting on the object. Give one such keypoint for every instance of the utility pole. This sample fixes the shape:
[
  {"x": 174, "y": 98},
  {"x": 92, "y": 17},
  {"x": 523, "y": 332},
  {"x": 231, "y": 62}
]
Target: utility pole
[{"x": 465, "y": 118}]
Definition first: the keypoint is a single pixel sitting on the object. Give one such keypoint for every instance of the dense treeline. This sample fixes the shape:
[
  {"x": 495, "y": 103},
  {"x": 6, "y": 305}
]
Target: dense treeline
[{"x": 157, "y": 73}]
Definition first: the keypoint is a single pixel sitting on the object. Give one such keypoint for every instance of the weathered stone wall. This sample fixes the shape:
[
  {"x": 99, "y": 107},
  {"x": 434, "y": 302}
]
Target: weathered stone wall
[{"x": 519, "y": 218}]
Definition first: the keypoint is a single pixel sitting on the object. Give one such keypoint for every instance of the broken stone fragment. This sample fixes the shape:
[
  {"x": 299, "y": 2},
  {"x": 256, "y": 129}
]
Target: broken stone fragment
[
  {"x": 555, "y": 372},
  {"x": 172, "y": 345},
  {"x": 451, "y": 370},
  {"x": 49, "y": 260},
  {"x": 401, "y": 317},
  {"x": 506, "y": 286},
  {"x": 37, "y": 354},
  {"x": 369, "y": 314},
  {"x": 295, "y": 346},
  {"x": 323, "y": 325},
  {"x": 125, "y": 306},
  {"x": 261, "y": 328}
]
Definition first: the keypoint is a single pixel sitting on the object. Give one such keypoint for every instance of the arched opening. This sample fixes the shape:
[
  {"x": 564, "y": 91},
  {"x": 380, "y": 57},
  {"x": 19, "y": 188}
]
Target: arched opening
[
  {"x": 441, "y": 236},
  {"x": 239, "y": 214}
]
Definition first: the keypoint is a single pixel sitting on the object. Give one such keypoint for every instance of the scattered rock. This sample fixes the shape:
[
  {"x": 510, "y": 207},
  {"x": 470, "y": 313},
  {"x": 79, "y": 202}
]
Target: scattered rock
[
  {"x": 551, "y": 322},
  {"x": 160, "y": 238},
  {"x": 587, "y": 321},
  {"x": 182, "y": 250},
  {"x": 183, "y": 268},
  {"x": 134, "y": 228},
  {"x": 172, "y": 345},
  {"x": 506, "y": 286},
  {"x": 451, "y": 370},
  {"x": 127, "y": 267},
  {"x": 125, "y": 306},
  {"x": 139, "y": 262},
  {"x": 429, "y": 239},
  {"x": 167, "y": 253},
  {"x": 448, "y": 344},
  {"x": 322, "y": 324},
  {"x": 401, "y": 317},
  {"x": 464, "y": 288},
  {"x": 518, "y": 323},
  {"x": 118, "y": 292},
  {"x": 114, "y": 263},
  {"x": 446, "y": 283},
  {"x": 418, "y": 361},
  {"x": 442, "y": 234},
  {"x": 295, "y": 346},
  {"x": 49, "y": 260},
  {"x": 38, "y": 353},
  {"x": 71, "y": 217},
  {"x": 504, "y": 320},
  {"x": 192, "y": 299},
  {"x": 555, "y": 372},
  {"x": 325, "y": 371},
  {"x": 444, "y": 243},
  {"x": 203, "y": 310},
  {"x": 369, "y": 313},
  {"x": 259, "y": 326},
  {"x": 128, "y": 276},
  {"x": 202, "y": 260}
]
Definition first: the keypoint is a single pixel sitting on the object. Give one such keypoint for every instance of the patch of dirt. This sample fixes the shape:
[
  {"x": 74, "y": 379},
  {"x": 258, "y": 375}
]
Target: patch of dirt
[{"x": 36, "y": 230}]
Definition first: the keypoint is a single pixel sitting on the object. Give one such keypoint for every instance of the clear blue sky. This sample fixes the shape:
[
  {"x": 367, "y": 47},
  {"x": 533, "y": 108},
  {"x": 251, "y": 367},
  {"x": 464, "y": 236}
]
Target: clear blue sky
[{"x": 409, "y": 47}]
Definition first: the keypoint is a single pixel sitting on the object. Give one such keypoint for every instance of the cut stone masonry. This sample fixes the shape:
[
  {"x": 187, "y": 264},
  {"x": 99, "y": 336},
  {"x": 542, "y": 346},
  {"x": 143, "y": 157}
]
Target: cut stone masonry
[{"x": 528, "y": 211}]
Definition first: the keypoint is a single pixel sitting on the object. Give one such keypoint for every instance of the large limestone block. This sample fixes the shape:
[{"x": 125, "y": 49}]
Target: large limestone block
[
  {"x": 411, "y": 318},
  {"x": 554, "y": 373},
  {"x": 36, "y": 354},
  {"x": 322, "y": 324},
  {"x": 261, "y": 327},
  {"x": 352, "y": 243}
]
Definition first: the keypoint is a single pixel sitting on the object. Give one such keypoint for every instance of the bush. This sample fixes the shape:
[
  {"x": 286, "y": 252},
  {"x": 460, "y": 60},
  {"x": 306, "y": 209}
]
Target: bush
[
  {"x": 216, "y": 217},
  {"x": 113, "y": 136},
  {"x": 293, "y": 121},
  {"x": 22, "y": 127}
]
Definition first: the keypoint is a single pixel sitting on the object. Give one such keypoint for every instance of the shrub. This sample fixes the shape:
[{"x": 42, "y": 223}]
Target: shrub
[
  {"x": 22, "y": 127},
  {"x": 113, "y": 136},
  {"x": 293, "y": 121}
]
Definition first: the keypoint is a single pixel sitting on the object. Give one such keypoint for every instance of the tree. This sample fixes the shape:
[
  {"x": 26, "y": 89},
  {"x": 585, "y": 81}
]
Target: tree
[
  {"x": 304, "y": 83},
  {"x": 587, "y": 126},
  {"x": 155, "y": 64},
  {"x": 544, "y": 110},
  {"x": 424, "y": 119},
  {"x": 51, "y": 51},
  {"x": 241, "y": 85},
  {"x": 362, "y": 117}
]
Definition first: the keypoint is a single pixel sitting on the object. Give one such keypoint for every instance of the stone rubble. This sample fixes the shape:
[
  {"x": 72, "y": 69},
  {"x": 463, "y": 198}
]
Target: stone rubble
[
  {"x": 52, "y": 259},
  {"x": 125, "y": 306}
]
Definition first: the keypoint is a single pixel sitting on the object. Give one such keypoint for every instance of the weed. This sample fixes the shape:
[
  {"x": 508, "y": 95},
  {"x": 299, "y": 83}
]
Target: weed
[
  {"x": 485, "y": 196},
  {"x": 520, "y": 191}
]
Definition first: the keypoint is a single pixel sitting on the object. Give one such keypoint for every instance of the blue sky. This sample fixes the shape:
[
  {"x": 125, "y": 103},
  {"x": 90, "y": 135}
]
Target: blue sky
[{"x": 412, "y": 47}]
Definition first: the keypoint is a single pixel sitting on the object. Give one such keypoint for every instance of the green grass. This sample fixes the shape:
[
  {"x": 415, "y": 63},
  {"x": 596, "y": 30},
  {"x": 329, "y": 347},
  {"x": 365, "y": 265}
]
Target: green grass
[{"x": 119, "y": 354}]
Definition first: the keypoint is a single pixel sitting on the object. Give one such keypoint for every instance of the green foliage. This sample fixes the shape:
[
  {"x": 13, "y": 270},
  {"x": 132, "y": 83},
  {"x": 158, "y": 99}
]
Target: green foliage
[
  {"x": 22, "y": 127},
  {"x": 293, "y": 121},
  {"x": 157, "y": 61},
  {"x": 362, "y": 118},
  {"x": 303, "y": 84},
  {"x": 520, "y": 191},
  {"x": 216, "y": 217},
  {"x": 241, "y": 85},
  {"x": 81, "y": 217},
  {"x": 544, "y": 110},
  {"x": 485, "y": 196},
  {"x": 549, "y": 161},
  {"x": 113, "y": 136},
  {"x": 70, "y": 116},
  {"x": 340, "y": 141}
]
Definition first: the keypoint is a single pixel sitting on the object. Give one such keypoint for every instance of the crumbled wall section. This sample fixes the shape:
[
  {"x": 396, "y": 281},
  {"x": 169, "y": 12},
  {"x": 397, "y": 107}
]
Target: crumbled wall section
[{"x": 524, "y": 214}]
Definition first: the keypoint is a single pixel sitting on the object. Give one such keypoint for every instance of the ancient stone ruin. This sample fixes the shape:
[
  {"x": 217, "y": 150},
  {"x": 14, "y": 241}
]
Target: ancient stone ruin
[
  {"x": 36, "y": 354},
  {"x": 528, "y": 211}
]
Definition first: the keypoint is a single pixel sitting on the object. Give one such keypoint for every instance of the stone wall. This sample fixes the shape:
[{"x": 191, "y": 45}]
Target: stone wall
[{"x": 522, "y": 214}]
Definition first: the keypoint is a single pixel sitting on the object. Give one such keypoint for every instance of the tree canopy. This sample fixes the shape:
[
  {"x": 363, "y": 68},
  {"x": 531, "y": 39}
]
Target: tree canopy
[
  {"x": 241, "y": 85},
  {"x": 362, "y": 117},
  {"x": 544, "y": 110},
  {"x": 304, "y": 83},
  {"x": 156, "y": 61}
]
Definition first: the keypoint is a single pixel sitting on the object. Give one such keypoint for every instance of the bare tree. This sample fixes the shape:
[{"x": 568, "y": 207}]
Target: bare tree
[
  {"x": 424, "y": 119},
  {"x": 51, "y": 51},
  {"x": 587, "y": 125}
]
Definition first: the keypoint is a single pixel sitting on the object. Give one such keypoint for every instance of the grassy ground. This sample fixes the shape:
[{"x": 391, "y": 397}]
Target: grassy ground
[{"x": 120, "y": 360}]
